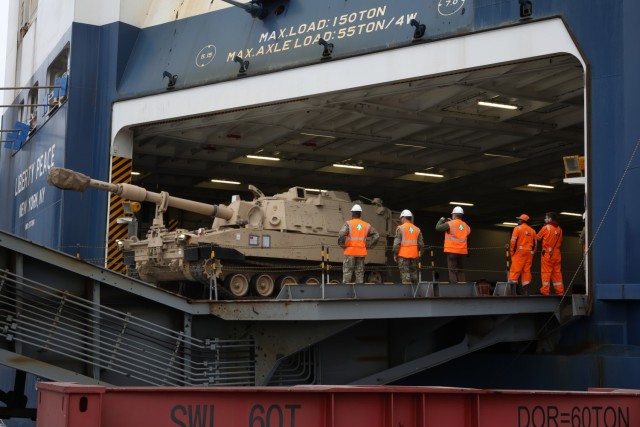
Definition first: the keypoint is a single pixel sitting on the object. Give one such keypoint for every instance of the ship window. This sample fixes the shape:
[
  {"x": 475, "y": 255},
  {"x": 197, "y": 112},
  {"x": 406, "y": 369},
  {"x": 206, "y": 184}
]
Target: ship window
[
  {"x": 32, "y": 109},
  {"x": 57, "y": 76},
  {"x": 59, "y": 66},
  {"x": 21, "y": 113}
]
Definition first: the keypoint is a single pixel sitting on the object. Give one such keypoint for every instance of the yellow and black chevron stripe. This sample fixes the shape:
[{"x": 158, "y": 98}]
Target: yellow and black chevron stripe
[
  {"x": 120, "y": 173},
  {"x": 173, "y": 224}
]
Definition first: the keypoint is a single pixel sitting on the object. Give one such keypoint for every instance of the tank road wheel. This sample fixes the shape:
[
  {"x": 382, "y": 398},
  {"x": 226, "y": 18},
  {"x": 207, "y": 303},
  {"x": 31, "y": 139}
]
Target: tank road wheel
[
  {"x": 262, "y": 285},
  {"x": 311, "y": 281},
  {"x": 132, "y": 272},
  {"x": 285, "y": 281},
  {"x": 374, "y": 277},
  {"x": 237, "y": 284}
]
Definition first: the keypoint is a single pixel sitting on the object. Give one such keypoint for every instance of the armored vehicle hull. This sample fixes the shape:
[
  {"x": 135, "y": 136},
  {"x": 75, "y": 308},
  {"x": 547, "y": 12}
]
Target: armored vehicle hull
[{"x": 253, "y": 247}]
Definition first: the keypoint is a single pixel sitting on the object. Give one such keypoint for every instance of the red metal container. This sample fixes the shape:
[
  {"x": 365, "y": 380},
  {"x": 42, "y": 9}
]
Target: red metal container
[{"x": 72, "y": 405}]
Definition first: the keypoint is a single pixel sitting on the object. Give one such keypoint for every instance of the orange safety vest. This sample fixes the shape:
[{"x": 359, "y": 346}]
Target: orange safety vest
[
  {"x": 455, "y": 240},
  {"x": 522, "y": 238},
  {"x": 551, "y": 238},
  {"x": 409, "y": 243},
  {"x": 356, "y": 242}
]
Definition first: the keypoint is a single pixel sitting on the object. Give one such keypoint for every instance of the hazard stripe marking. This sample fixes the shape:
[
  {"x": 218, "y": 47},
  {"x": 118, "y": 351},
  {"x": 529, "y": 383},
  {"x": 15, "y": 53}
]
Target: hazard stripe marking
[{"x": 120, "y": 173}]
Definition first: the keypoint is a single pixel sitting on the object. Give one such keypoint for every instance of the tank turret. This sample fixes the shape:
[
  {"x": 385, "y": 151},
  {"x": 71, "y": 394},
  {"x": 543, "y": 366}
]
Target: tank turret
[{"x": 253, "y": 246}]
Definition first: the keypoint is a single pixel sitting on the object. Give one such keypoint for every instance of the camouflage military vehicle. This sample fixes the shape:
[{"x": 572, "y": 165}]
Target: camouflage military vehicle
[{"x": 253, "y": 246}]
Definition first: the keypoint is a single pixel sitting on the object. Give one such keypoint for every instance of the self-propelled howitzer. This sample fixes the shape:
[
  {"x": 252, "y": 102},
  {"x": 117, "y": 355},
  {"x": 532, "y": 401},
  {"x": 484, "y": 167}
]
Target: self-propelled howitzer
[{"x": 252, "y": 246}]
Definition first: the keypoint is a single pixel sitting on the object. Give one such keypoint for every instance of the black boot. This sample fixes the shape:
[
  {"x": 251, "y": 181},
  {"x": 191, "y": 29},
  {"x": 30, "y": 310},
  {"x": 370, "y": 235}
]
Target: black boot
[
  {"x": 522, "y": 290},
  {"x": 518, "y": 287}
]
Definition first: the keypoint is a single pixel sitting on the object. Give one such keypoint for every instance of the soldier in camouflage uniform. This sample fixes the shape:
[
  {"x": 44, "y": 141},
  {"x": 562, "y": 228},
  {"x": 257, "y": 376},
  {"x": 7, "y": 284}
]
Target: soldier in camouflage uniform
[
  {"x": 408, "y": 244},
  {"x": 355, "y": 237}
]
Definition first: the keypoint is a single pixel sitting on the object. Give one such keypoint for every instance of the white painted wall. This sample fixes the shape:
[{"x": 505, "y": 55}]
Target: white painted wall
[
  {"x": 54, "y": 18},
  {"x": 96, "y": 12},
  {"x": 135, "y": 12},
  {"x": 4, "y": 21},
  {"x": 9, "y": 28},
  {"x": 162, "y": 11},
  {"x": 141, "y": 13}
]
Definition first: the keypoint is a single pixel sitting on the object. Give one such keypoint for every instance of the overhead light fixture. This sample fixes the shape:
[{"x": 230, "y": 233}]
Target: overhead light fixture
[
  {"x": 224, "y": 181},
  {"x": 172, "y": 79},
  {"x": 498, "y": 105},
  {"x": 420, "y": 29},
  {"x": 498, "y": 155},
  {"x": 573, "y": 165},
  {"x": 318, "y": 135},
  {"x": 549, "y": 187},
  {"x": 432, "y": 175},
  {"x": 338, "y": 165},
  {"x": 410, "y": 146},
  {"x": 461, "y": 203},
  {"x": 273, "y": 159},
  {"x": 327, "y": 48},
  {"x": 505, "y": 224},
  {"x": 135, "y": 173},
  {"x": 571, "y": 214}
]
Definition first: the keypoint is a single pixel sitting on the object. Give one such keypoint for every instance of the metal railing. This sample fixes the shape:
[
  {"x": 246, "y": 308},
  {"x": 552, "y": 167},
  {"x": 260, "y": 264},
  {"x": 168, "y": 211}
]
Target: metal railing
[{"x": 45, "y": 319}]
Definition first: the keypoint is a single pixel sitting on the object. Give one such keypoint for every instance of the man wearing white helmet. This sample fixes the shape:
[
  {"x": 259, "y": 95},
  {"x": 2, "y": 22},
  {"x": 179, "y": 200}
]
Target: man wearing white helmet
[
  {"x": 455, "y": 243},
  {"x": 355, "y": 237},
  {"x": 408, "y": 244}
]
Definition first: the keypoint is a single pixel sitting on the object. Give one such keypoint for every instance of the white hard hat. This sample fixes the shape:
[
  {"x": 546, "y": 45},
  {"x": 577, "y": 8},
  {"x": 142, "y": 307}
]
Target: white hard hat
[
  {"x": 457, "y": 210},
  {"x": 406, "y": 213},
  {"x": 356, "y": 208}
]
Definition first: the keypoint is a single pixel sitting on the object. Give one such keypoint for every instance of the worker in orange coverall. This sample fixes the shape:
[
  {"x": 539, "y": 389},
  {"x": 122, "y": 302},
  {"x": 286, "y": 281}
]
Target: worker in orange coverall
[
  {"x": 521, "y": 247},
  {"x": 551, "y": 236}
]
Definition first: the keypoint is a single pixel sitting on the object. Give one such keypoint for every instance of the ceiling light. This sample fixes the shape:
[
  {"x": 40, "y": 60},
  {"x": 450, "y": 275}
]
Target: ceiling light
[
  {"x": 498, "y": 105},
  {"x": 550, "y": 187},
  {"x": 571, "y": 214},
  {"x": 318, "y": 135},
  {"x": 224, "y": 181},
  {"x": 461, "y": 203},
  {"x": 338, "y": 165},
  {"x": 410, "y": 146},
  {"x": 498, "y": 155},
  {"x": 273, "y": 159},
  {"x": 432, "y": 175},
  {"x": 135, "y": 173},
  {"x": 506, "y": 224}
]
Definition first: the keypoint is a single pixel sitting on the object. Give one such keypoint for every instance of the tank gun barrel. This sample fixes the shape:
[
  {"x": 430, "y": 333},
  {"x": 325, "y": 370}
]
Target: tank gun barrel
[{"x": 68, "y": 179}]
